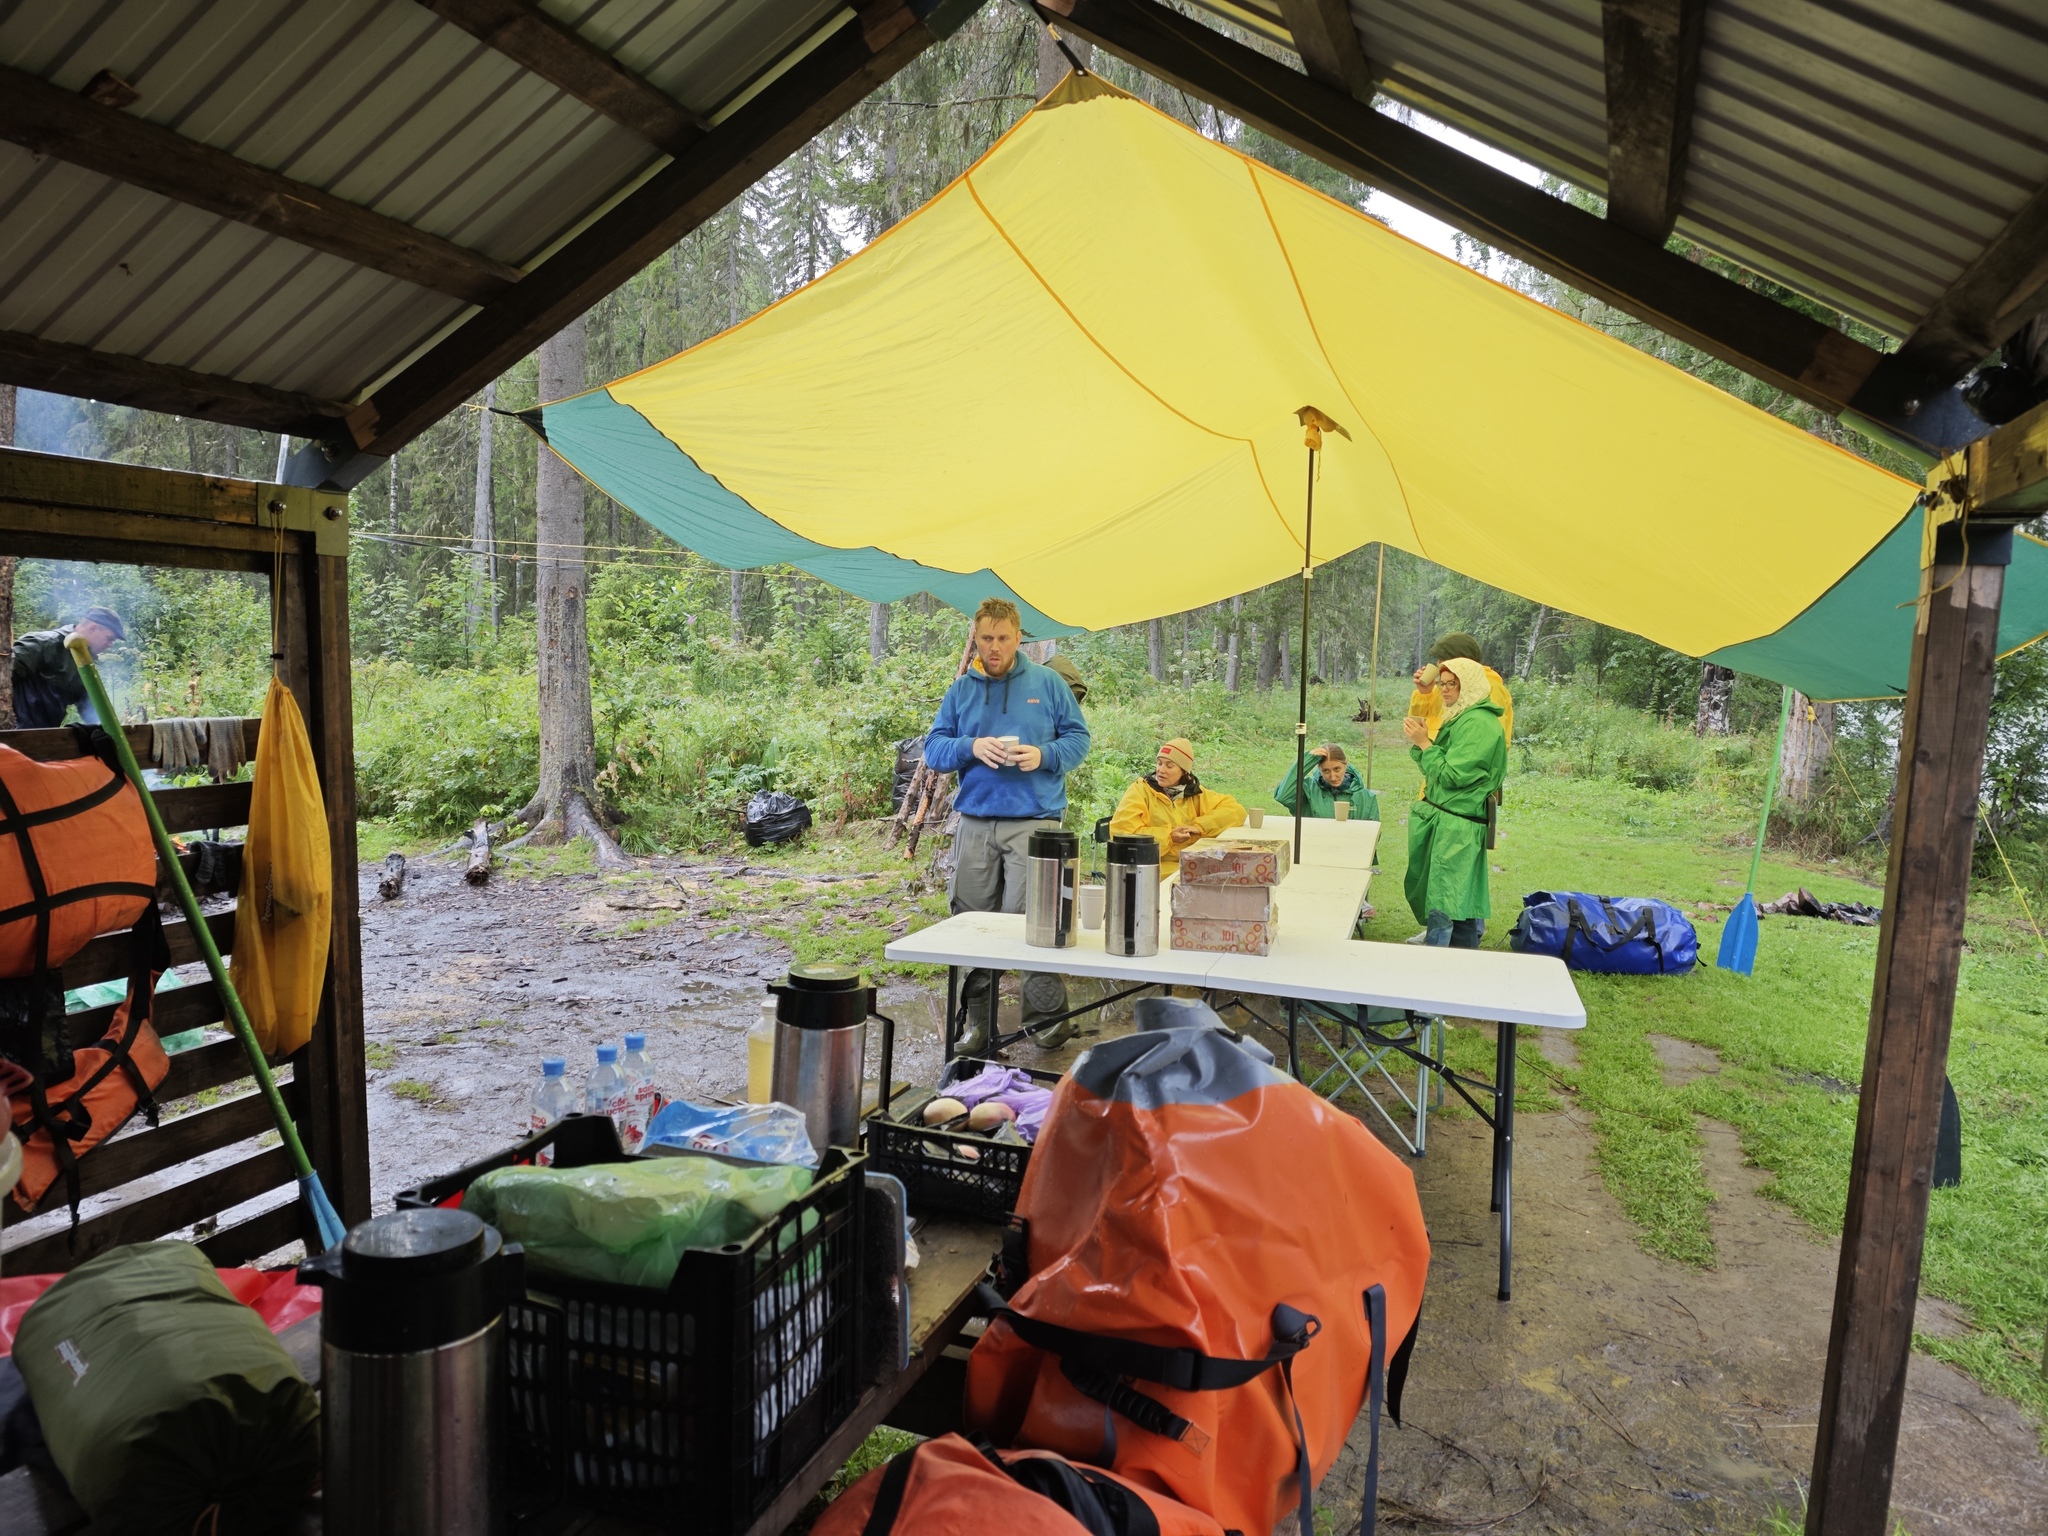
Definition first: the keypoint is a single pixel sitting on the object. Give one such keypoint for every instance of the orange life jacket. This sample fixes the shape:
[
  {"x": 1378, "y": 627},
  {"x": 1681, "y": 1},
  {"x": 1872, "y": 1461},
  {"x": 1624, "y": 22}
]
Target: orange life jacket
[
  {"x": 950, "y": 1487},
  {"x": 76, "y": 858},
  {"x": 1217, "y": 1260}
]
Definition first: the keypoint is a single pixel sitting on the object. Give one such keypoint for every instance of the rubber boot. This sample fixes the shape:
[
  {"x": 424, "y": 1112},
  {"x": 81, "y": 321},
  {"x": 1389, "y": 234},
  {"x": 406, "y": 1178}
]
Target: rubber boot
[
  {"x": 1045, "y": 996},
  {"x": 974, "y": 996}
]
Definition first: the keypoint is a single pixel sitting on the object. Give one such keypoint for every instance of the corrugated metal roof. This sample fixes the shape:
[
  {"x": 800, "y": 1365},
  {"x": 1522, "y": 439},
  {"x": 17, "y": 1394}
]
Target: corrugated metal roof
[
  {"x": 1861, "y": 153},
  {"x": 376, "y": 101}
]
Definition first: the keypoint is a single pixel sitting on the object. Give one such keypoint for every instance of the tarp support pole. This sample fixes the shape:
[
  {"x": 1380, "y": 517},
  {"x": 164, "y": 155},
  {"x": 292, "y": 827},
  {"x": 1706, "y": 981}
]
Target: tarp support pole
[
  {"x": 1941, "y": 760},
  {"x": 1372, "y": 688},
  {"x": 1308, "y": 572}
]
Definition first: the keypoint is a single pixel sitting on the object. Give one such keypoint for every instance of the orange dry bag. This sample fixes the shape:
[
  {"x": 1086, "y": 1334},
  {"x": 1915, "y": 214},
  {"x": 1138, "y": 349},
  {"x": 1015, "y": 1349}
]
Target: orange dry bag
[
  {"x": 950, "y": 1487},
  {"x": 1217, "y": 1259},
  {"x": 76, "y": 859}
]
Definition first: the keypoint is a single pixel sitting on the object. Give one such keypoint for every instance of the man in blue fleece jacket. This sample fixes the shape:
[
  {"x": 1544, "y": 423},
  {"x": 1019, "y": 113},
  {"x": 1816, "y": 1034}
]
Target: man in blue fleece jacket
[{"x": 1005, "y": 793}]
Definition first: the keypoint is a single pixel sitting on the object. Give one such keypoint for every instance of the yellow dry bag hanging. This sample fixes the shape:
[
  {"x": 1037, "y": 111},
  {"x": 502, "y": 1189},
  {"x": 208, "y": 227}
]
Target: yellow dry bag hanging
[{"x": 284, "y": 917}]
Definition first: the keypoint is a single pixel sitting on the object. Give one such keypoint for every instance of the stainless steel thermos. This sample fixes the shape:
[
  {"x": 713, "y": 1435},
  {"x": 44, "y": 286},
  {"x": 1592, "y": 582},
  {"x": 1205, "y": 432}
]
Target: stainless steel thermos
[
  {"x": 412, "y": 1374},
  {"x": 1051, "y": 858},
  {"x": 1130, "y": 911},
  {"x": 821, "y": 1015}
]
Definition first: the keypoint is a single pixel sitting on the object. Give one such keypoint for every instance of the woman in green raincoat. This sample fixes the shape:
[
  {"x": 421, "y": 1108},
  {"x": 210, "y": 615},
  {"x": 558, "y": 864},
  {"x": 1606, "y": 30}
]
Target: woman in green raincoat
[{"x": 1461, "y": 770}]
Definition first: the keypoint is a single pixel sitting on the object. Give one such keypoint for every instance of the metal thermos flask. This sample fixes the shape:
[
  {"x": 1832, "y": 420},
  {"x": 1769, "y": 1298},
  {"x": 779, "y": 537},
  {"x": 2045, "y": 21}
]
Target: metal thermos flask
[
  {"x": 1051, "y": 857},
  {"x": 1130, "y": 910},
  {"x": 821, "y": 1014},
  {"x": 412, "y": 1364}
]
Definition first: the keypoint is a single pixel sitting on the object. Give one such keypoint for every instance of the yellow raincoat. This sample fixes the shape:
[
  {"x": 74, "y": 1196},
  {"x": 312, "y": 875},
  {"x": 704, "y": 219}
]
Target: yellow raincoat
[
  {"x": 284, "y": 915},
  {"x": 1427, "y": 705},
  {"x": 1145, "y": 809}
]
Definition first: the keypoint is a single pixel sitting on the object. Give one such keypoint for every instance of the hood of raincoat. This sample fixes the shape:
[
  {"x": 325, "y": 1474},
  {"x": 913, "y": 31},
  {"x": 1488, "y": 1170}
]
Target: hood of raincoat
[{"x": 1474, "y": 687}]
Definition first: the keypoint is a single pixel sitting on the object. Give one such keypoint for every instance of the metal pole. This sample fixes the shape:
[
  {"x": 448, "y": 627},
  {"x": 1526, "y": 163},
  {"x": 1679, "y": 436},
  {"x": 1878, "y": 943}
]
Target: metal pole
[
  {"x": 1372, "y": 689},
  {"x": 1308, "y": 561}
]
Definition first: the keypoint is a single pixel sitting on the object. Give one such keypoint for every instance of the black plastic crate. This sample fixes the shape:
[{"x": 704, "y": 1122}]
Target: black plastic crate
[
  {"x": 938, "y": 1174},
  {"x": 688, "y": 1408}
]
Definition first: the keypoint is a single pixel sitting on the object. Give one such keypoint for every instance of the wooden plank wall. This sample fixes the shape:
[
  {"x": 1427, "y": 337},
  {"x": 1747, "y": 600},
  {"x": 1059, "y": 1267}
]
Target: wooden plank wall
[{"x": 209, "y": 1100}]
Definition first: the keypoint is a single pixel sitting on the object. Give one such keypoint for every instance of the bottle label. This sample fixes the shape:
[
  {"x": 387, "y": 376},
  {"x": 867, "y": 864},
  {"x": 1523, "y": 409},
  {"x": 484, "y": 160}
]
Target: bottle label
[{"x": 536, "y": 1122}]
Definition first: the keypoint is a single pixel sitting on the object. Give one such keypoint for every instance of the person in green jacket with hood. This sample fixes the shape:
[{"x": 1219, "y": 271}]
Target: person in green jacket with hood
[
  {"x": 1330, "y": 779},
  {"x": 1461, "y": 769}
]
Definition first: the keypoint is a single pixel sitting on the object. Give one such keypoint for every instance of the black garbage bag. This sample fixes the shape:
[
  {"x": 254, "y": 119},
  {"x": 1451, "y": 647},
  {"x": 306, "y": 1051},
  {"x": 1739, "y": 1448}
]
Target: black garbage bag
[
  {"x": 909, "y": 753},
  {"x": 775, "y": 817}
]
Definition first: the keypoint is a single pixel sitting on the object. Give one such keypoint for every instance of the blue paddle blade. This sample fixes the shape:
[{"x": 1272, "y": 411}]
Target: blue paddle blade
[
  {"x": 1738, "y": 938},
  {"x": 331, "y": 1229}
]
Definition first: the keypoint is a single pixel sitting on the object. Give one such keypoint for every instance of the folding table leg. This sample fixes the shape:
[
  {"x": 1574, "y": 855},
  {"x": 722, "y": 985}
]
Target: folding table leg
[
  {"x": 1504, "y": 1138},
  {"x": 1421, "y": 1025},
  {"x": 1293, "y": 1047},
  {"x": 952, "y": 1007},
  {"x": 1501, "y": 1057}
]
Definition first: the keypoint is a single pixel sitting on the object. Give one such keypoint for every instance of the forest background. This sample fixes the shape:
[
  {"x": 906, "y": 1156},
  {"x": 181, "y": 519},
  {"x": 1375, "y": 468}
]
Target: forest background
[{"x": 708, "y": 684}]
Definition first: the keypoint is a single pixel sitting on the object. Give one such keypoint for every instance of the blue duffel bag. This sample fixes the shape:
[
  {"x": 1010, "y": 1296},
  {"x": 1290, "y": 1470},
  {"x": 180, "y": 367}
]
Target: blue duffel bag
[{"x": 1621, "y": 935}]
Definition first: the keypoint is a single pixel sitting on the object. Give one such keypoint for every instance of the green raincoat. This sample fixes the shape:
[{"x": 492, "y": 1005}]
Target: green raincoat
[
  {"x": 1447, "y": 829},
  {"x": 1318, "y": 799}
]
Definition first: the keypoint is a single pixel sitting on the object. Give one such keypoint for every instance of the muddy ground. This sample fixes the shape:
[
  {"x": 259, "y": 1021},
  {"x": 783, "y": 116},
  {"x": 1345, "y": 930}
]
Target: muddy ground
[{"x": 1616, "y": 1392}]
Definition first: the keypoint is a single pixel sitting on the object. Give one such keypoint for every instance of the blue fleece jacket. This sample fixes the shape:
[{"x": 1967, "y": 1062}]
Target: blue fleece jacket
[{"x": 1029, "y": 702}]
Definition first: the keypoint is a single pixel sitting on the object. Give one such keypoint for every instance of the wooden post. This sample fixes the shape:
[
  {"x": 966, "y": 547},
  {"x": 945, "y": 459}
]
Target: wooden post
[{"x": 1941, "y": 759}]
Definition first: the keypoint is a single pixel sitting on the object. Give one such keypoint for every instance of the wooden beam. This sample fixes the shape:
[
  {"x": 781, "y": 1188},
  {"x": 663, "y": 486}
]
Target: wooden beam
[
  {"x": 1775, "y": 343},
  {"x": 1919, "y": 949},
  {"x": 541, "y": 45},
  {"x": 1327, "y": 39},
  {"x": 2006, "y": 286},
  {"x": 826, "y": 82},
  {"x": 63, "y": 368},
  {"x": 1653, "y": 63},
  {"x": 2004, "y": 473},
  {"x": 49, "y": 121}
]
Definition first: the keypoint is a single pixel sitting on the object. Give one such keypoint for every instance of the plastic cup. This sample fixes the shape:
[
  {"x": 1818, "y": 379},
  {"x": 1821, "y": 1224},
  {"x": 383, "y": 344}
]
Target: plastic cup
[
  {"x": 1255, "y": 819},
  {"x": 1009, "y": 748},
  {"x": 1343, "y": 810},
  {"x": 1089, "y": 899}
]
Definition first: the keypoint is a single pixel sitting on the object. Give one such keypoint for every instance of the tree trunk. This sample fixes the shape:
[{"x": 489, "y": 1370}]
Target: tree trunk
[
  {"x": 1286, "y": 657},
  {"x": 1528, "y": 661},
  {"x": 1421, "y": 620},
  {"x": 1052, "y": 64},
  {"x": 1717, "y": 694},
  {"x": 739, "y": 621},
  {"x": 7, "y": 568},
  {"x": 1153, "y": 660},
  {"x": 1186, "y": 679},
  {"x": 878, "y": 632},
  {"x": 564, "y": 806},
  {"x": 1230, "y": 654},
  {"x": 1809, "y": 737},
  {"x": 1269, "y": 656},
  {"x": 481, "y": 534}
]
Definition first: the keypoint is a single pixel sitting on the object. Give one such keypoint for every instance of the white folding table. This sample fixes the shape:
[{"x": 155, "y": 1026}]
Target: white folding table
[{"x": 1314, "y": 963}]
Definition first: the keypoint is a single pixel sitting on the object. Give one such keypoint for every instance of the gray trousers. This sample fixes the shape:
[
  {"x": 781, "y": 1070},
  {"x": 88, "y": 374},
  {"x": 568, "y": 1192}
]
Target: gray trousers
[{"x": 988, "y": 876}]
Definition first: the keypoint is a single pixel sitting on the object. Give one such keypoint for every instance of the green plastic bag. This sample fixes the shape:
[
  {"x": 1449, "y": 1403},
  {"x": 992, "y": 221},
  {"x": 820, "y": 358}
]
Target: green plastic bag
[
  {"x": 628, "y": 1223},
  {"x": 163, "y": 1398}
]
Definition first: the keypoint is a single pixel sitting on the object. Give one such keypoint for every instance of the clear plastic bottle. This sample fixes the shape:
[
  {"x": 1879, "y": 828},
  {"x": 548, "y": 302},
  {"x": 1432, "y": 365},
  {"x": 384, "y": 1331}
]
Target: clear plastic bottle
[
  {"x": 552, "y": 1099},
  {"x": 643, "y": 1097},
  {"x": 606, "y": 1093},
  {"x": 761, "y": 1055}
]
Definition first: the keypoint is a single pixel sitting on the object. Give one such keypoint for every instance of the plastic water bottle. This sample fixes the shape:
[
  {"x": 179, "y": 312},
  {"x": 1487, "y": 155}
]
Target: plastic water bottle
[
  {"x": 607, "y": 1093},
  {"x": 552, "y": 1099},
  {"x": 640, "y": 1091},
  {"x": 761, "y": 1055}
]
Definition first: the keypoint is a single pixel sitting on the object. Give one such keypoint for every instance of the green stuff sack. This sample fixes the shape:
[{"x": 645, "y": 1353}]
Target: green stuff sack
[
  {"x": 161, "y": 1397},
  {"x": 628, "y": 1223}
]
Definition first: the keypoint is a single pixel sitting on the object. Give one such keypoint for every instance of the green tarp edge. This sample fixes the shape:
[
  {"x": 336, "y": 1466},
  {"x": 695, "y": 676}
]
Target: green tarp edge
[
  {"x": 617, "y": 450},
  {"x": 1856, "y": 640}
]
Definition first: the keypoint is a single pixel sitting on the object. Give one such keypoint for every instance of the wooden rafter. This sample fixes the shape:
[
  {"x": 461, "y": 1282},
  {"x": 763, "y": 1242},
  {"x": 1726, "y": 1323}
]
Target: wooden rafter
[
  {"x": 1653, "y": 63},
  {"x": 66, "y": 369},
  {"x": 49, "y": 121},
  {"x": 543, "y": 46},
  {"x": 859, "y": 56},
  {"x": 1327, "y": 40},
  {"x": 2006, "y": 286},
  {"x": 1775, "y": 343}
]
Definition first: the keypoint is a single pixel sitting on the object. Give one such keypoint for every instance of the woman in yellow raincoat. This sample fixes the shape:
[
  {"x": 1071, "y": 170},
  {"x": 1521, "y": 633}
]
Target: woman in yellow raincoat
[{"x": 1170, "y": 805}]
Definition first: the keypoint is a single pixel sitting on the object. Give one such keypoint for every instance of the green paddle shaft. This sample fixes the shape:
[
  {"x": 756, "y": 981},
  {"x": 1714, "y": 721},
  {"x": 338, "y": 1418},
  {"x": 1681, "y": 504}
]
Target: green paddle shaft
[
  {"x": 194, "y": 918},
  {"x": 1756, "y": 862}
]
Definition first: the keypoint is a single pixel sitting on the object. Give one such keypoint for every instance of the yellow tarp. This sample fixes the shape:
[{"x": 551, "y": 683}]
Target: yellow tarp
[{"x": 1073, "y": 375}]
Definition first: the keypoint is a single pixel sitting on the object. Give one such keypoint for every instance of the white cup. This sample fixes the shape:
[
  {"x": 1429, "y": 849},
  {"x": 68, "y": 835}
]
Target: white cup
[
  {"x": 1009, "y": 748},
  {"x": 1343, "y": 810},
  {"x": 1089, "y": 899},
  {"x": 1255, "y": 819}
]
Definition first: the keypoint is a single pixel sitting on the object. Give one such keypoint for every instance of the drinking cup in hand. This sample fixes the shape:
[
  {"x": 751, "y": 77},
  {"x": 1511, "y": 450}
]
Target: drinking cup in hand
[{"x": 1009, "y": 744}]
